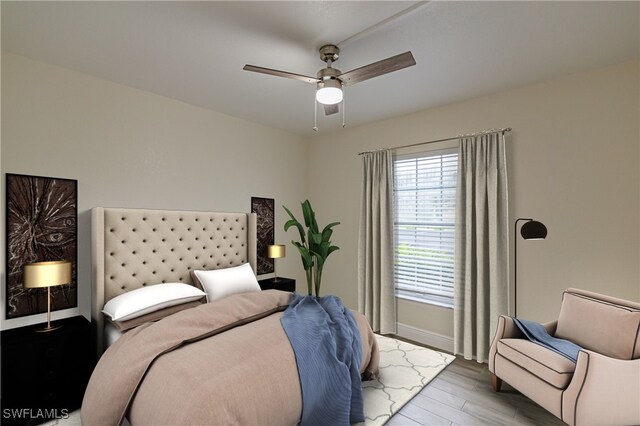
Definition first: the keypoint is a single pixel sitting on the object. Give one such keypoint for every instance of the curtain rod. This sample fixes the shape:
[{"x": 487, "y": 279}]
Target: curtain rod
[{"x": 485, "y": 132}]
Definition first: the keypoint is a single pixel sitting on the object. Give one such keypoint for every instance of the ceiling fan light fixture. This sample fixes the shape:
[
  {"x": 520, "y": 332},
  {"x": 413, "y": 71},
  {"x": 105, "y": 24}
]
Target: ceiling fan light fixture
[{"x": 329, "y": 92}]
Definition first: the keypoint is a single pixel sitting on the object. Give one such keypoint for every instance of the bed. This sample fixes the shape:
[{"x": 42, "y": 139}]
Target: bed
[{"x": 226, "y": 362}]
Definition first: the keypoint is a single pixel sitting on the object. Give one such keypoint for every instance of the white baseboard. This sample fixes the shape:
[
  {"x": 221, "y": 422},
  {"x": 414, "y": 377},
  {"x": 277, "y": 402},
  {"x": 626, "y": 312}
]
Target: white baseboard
[{"x": 425, "y": 337}]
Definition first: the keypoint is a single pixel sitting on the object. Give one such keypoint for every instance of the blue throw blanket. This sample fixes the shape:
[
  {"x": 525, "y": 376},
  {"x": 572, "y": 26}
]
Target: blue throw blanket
[
  {"x": 327, "y": 345},
  {"x": 538, "y": 334}
]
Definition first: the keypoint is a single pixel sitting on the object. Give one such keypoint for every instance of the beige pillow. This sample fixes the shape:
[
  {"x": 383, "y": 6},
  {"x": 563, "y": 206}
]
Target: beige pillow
[{"x": 597, "y": 325}]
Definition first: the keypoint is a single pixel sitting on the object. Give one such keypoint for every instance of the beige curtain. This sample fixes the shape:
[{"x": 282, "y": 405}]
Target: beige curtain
[
  {"x": 376, "y": 292},
  {"x": 481, "y": 244}
]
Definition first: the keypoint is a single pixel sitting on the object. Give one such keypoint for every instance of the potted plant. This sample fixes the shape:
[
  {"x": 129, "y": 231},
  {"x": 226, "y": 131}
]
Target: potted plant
[{"x": 314, "y": 245}]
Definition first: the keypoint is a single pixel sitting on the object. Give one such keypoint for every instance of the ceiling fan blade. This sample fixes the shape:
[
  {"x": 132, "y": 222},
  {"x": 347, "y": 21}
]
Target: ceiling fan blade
[
  {"x": 278, "y": 73},
  {"x": 375, "y": 69},
  {"x": 331, "y": 109}
]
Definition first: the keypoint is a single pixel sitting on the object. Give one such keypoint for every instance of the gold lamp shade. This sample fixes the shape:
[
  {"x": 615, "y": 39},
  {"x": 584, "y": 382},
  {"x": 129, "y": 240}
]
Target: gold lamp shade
[
  {"x": 276, "y": 251},
  {"x": 47, "y": 274}
]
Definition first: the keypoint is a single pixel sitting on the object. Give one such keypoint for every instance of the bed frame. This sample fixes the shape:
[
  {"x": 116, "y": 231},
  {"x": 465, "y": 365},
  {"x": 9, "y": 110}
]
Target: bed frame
[{"x": 134, "y": 248}]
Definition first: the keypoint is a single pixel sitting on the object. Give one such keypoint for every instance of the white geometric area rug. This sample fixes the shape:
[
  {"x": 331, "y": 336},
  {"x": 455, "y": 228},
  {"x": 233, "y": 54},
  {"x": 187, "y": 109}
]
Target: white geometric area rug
[{"x": 404, "y": 370}]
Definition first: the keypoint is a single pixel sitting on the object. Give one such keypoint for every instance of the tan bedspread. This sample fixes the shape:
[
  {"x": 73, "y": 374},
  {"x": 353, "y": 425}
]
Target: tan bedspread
[{"x": 227, "y": 362}]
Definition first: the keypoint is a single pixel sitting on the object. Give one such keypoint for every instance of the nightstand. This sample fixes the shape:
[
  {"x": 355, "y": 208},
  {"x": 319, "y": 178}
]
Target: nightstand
[
  {"x": 44, "y": 374},
  {"x": 284, "y": 284}
]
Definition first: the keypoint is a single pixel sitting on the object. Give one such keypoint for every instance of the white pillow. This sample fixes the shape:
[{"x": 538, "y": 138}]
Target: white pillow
[
  {"x": 144, "y": 300},
  {"x": 220, "y": 283}
]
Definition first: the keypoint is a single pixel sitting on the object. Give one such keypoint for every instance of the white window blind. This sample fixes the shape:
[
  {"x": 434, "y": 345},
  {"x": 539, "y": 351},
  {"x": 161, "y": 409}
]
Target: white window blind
[{"x": 425, "y": 204}]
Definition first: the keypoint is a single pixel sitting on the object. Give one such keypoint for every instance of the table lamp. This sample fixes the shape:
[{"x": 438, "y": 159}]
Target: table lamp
[
  {"x": 275, "y": 251},
  {"x": 47, "y": 274}
]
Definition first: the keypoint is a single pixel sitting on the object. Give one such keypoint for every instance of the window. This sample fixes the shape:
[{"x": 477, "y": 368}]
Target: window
[{"x": 425, "y": 210}]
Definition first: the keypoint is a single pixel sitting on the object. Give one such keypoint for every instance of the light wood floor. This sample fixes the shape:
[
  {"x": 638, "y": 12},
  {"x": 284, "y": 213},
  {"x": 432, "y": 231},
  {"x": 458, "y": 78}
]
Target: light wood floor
[{"x": 462, "y": 395}]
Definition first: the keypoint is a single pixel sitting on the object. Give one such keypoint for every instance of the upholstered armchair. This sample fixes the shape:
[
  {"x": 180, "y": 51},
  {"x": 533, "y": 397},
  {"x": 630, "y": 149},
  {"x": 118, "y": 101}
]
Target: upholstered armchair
[{"x": 603, "y": 386}]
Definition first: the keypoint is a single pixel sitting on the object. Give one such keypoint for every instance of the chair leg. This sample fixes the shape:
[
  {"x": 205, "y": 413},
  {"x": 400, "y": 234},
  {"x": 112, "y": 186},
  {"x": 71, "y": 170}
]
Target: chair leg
[{"x": 496, "y": 382}]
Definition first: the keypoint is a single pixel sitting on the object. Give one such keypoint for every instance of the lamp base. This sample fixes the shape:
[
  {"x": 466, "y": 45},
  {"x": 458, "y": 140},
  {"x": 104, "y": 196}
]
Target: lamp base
[
  {"x": 48, "y": 328},
  {"x": 276, "y": 280}
]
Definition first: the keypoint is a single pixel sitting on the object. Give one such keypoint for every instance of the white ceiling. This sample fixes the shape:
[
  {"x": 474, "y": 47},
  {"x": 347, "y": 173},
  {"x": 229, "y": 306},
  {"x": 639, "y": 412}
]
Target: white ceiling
[{"x": 195, "y": 51}]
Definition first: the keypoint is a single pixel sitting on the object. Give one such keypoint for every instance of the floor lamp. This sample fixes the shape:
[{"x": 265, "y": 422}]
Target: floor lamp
[{"x": 531, "y": 230}]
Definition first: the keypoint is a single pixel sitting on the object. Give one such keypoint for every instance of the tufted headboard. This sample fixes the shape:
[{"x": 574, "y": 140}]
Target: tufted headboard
[{"x": 133, "y": 248}]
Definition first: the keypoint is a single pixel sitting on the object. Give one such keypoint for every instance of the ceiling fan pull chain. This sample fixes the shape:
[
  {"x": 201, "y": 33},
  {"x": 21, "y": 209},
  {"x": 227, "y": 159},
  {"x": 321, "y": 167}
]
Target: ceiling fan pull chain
[
  {"x": 344, "y": 108},
  {"x": 315, "y": 114}
]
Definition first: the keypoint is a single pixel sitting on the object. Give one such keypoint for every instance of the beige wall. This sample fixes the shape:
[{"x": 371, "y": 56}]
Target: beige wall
[
  {"x": 129, "y": 148},
  {"x": 574, "y": 164}
]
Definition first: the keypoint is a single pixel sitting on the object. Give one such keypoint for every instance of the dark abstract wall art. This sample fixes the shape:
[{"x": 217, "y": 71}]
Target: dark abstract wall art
[
  {"x": 264, "y": 209},
  {"x": 42, "y": 217}
]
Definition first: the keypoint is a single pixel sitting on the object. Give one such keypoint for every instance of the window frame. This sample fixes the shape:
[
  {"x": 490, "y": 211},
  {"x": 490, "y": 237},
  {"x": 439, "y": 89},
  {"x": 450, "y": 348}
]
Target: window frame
[{"x": 444, "y": 300}]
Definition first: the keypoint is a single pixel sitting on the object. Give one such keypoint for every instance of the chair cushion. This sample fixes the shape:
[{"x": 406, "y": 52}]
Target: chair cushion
[
  {"x": 543, "y": 363},
  {"x": 599, "y": 325}
]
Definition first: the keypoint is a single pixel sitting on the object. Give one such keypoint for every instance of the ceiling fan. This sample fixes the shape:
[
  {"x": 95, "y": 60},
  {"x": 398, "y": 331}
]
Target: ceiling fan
[{"x": 330, "y": 80}]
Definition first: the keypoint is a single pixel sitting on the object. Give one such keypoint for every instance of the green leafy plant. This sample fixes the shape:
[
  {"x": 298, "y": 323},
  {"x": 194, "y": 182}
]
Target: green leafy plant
[{"x": 314, "y": 246}]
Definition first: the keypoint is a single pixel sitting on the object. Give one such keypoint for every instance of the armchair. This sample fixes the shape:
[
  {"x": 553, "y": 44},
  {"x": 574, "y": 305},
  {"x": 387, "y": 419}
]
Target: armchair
[{"x": 603, "y": 386}]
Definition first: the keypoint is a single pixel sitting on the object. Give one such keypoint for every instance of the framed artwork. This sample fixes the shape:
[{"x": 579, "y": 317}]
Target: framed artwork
[
  {"x": 42, "y": 226},
  {"x": 264, "y": 209}
]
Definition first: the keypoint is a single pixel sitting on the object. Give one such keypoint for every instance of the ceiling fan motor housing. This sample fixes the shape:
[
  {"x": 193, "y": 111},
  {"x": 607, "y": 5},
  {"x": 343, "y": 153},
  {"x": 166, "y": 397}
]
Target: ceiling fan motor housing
[{"x": 328, "y": 74}]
